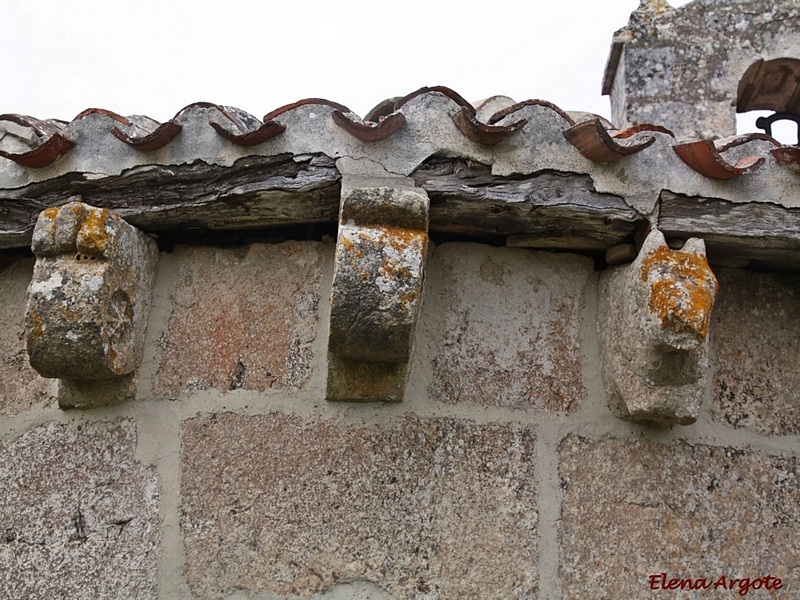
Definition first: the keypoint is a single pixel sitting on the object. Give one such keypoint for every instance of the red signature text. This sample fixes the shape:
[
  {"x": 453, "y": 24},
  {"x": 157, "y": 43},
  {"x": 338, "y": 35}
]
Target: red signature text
[{"x": 741, "y": 585}]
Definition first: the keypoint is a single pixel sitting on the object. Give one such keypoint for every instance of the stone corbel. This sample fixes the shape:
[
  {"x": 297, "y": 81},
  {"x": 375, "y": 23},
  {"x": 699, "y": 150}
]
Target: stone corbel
[
  {"x": 88, "y": 302},
  {"x": 377, "y": 290},
  {"x": 653, "y": 325}
]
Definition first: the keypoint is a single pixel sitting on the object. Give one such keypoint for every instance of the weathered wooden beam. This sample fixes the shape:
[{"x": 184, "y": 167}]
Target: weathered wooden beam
[
  {"x": 545, "y": 210},
  {"x": 255, "y": 192},
  {"x": 749, "y": 234}
]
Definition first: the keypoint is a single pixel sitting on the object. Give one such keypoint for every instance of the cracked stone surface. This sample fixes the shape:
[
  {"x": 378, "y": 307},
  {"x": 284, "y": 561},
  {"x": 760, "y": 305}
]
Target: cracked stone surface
[
  {"x": 20, "y": 386},
  {"x": 756, "y": 339},
  {"x": 242, "y": 318},
  {"x": 422, "y": 508},
  {"x": 507, "y": 324},
  {"x": 78, "y": 515},
  {"x": 635, "y": 509}
]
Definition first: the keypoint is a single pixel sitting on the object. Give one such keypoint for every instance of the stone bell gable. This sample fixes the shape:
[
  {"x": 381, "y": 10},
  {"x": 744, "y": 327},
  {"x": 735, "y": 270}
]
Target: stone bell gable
[{"x": 693, "y": 68}]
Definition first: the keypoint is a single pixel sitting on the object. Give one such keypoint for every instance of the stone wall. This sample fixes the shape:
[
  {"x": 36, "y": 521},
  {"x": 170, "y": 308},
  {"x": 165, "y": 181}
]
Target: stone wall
[{"x": 502, "y": 474}]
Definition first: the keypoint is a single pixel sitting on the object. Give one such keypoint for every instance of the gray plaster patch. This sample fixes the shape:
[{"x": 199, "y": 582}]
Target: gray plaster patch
[
  {"x": 78, "y": 515},
  {"x": 506, "y": 321},
  {"x": 421, "y": 508}
]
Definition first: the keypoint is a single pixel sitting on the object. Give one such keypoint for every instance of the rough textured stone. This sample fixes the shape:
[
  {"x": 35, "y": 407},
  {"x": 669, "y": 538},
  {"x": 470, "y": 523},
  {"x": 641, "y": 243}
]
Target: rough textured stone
[
  {"x": 756, "y": 341},
  {"x": 89, "y": 298},
  {"x": 360, "y": 381},
  {"x": 377, "y": 280},
  {"x": 681, "y": 67},
  {"x": 20, "y": 386},
  {"x": 507, "y": 324},
  {"x": 653, "y": 320},
  {"x": 421, "y": 508},
  {"x": 242, "y": 318},
  {"x": 376, "y": 292},
  {"x": 78, "y": 516},
  {"x": 633, "y": 510}
]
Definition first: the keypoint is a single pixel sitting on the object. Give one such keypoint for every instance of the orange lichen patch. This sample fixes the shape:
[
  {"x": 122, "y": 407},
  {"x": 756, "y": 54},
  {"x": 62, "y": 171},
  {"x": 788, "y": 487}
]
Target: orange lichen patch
[
  {"x": 37, "y": 327},
  {"x": 112, "y": 358},
  {"x": 401, "y": 238},
  {"x": 682, "y": 290},
  {"x": 353, "y": 249},
  {"x": 390, "y": 270},
  {"x": 69, "y": 314},
  {"x": 401, "y": 241},
  {"x": 50, "y": 213},
  {"x": 658, "y": 6},
  {"x": 93, "y": 236},
  {"x": 409, "y": 298}
]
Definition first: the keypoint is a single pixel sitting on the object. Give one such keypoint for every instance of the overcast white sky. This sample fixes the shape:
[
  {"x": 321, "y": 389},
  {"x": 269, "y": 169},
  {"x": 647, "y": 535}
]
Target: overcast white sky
[{"x": 155, "y": 56}]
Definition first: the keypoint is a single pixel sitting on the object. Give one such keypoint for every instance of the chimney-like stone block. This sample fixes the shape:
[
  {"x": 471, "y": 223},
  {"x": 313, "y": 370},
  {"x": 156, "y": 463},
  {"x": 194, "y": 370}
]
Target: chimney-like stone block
[
  {"x": 653, "y": 325},
  {"x": 90, "y": 295},
  {"x": 685, "y": 67},
  {"x": 377, "y": 290}
]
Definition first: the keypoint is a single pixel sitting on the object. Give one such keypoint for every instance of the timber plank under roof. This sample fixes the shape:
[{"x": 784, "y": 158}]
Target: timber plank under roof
[{"x": 526, "y": 170}]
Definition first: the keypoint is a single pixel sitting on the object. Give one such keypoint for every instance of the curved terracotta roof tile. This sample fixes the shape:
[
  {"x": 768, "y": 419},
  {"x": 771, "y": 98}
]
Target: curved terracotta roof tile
[
  {"x": 382, "y": 109},
  {"x": 488, "y": 135},
  {"x": 705, "y": 156},
  {"x": 198, "y": 105},
  {"x": 501, "y": 114},
  {"x": 55, "y": 143},
  {"x": 279, "y": 111},
  {"x": 634, "y": 129},
  {"x": 789, "y": 156},
  {"x": 595, "y": 142},
  {"x": 725, "y": 144},
  {"x": 370, "y": 132},
  {"x": 155, "y": 140},
  {"x": 454, "y": 96},
  {"x": 250, "y": 138},
  {"x": 102, "y": 111},
  {"x": 245, "y": 135}
]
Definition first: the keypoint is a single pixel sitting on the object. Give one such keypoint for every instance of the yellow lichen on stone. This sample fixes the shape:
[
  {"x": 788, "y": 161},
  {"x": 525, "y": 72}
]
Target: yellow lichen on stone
[
  {"x": 682, "y": 290},
  {"x": 94, "y": 236},
  {"x": 400, "y": 240},
  {"x": 112, "y": 358},
  {"x": 409, "y": 298},
  {"x": 36, "y": 326},
  {"x": 659, "y": 7},
  {"x": 50, "y": 213}
]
